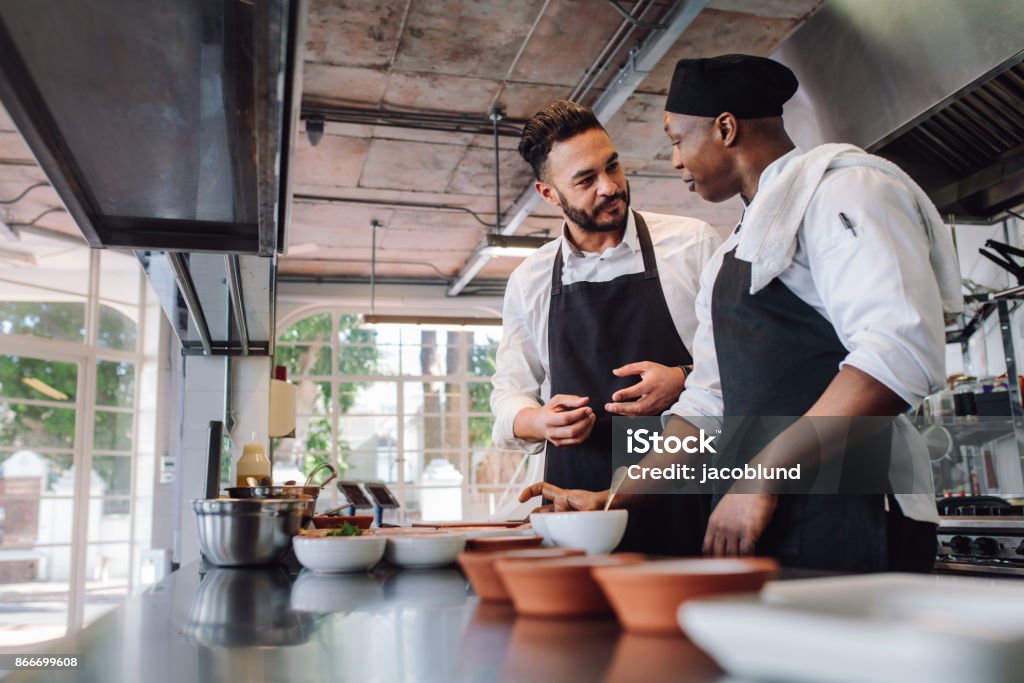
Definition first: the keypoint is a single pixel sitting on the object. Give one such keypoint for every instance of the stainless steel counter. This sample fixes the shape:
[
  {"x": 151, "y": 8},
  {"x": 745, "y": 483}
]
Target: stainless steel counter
[{"x": 391, "y": 626}]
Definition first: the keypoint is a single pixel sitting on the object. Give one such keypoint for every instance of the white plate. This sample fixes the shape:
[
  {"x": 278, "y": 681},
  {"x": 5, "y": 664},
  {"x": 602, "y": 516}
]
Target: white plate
[
  {"x": 880, "y": 628},
  {"x": 487, "y": 532},
  {"x": 424, "y": 550},
  {"x": 335, "y": 554}
]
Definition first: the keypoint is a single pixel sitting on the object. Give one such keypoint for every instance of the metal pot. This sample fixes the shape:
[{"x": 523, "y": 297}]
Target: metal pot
[
  {"x": 236, "y": 532},
  {"x": 265, "y": 492}
]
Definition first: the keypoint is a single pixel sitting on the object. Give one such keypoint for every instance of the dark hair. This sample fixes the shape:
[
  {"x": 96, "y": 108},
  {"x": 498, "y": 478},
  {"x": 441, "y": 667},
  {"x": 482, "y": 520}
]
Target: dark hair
[{"x": 556, "y": 122}]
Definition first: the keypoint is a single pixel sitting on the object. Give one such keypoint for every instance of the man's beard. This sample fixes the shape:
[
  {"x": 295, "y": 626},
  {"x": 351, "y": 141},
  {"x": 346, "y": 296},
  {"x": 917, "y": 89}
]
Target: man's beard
[{"x": 586, "y": 221}]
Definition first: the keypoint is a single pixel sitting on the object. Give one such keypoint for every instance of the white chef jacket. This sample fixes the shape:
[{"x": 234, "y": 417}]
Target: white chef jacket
[
  {"x": 873, "y": 283},
  {"x": 682, "y": 247}
]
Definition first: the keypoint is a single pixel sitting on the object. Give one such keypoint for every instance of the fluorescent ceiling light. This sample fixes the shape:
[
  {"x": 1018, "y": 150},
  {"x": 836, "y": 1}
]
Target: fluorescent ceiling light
[
  {"x": 44, "y": 388},
  {"x": 8, "y": 232},
  {"x": 17, "y": 256},
  {"x": 305, "y": 248},
  {"x": 433, "y": 321},
  {"x": 512, "y": 245}
]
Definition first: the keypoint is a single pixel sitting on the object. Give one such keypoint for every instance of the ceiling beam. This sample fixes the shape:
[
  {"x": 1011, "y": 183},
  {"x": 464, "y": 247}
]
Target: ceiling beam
[{"x": 642, "y": 61}]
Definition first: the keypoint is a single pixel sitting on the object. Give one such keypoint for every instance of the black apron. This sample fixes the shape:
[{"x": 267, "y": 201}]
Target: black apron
[
  {"x": 594, "y": 327},
  {"x": 776, "y": 356}
]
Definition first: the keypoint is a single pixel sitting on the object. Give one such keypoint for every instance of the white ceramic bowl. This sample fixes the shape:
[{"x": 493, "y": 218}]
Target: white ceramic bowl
[
  {"x": 541, "y": 528},
  {"x": 595, "y": 532},
  {"x": 424, "y": 550},
  {"x": 336, "y": 554}
]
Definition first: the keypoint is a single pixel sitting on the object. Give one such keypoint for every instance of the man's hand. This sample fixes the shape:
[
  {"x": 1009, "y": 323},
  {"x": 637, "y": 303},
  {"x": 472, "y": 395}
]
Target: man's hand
[
  {"x": 659, "y": 387},
  {"x": 737, "y": 523},
  {"x": 564, "y": 499},
  {"x": 565, "y": 420}
]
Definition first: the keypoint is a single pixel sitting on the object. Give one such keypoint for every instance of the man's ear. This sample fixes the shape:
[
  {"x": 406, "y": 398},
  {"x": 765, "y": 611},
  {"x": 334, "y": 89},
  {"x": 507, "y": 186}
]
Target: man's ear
[
  {"x": 727, "y": 129},
  {"x": 547, "y": 192}
]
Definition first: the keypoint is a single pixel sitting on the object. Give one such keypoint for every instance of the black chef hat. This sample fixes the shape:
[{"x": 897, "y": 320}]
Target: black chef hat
[{"x": 746, "y": 86}]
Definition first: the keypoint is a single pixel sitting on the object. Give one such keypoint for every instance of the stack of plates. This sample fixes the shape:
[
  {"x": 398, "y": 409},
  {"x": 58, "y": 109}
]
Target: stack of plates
[{"x": 880, "y": 628}]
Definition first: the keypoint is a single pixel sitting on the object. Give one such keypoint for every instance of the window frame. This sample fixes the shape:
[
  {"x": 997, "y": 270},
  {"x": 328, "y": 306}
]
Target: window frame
[
  {"x": 86, "y": 355},
  {"x": 462, "y": 376}
]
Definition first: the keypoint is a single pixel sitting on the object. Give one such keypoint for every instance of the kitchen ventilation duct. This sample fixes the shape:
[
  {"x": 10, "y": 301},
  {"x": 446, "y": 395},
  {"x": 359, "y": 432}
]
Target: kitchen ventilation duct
[{"x": 937, "y": 86}]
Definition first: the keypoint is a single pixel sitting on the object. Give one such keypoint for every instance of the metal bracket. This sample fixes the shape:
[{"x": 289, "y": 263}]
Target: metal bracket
[
  {"x": 187, "y": 288},
  {"x": 237, "y": 303}
]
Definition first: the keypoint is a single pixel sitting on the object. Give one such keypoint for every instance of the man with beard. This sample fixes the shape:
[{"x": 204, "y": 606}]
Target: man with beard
[{"x": 599, "y": 322}]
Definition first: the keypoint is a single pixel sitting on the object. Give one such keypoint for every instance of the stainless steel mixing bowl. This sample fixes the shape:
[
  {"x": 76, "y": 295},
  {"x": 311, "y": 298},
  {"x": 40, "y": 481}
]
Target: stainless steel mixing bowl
[
  {"x": 310, "y": 494},
  {"x": 235, "y": 532}
]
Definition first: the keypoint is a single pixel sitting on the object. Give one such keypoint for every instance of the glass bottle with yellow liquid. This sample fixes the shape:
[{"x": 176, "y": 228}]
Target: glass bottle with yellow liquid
[{"x": 253, "y": 463}]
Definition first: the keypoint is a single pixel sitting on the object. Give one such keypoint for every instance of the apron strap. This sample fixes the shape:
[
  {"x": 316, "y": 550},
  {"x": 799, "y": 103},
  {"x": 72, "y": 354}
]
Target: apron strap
[
  {"x": 646, "y": 248},
  {"x": 556, "y": 272}
]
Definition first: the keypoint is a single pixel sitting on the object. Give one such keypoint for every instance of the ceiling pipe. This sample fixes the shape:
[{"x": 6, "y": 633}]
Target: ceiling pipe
[
  {"x": 391, "y": 203},
  {"x": 641, "y": 62}
]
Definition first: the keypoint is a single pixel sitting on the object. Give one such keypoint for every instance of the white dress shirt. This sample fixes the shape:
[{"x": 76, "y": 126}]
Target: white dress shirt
[
  {"x": 682, "y": 247},
  {"x": 873, "y": 283}
]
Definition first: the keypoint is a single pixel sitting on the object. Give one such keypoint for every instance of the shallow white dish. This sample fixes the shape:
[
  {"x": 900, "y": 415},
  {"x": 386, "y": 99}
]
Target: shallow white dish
[
  {"x": 336, "y": 554},
  {"x": 595, "y": 531},
  {"x": 486, "y": 532},
  {"x": 400, "y": 531},
  {"x": 325, "y": 593},
  {"x": 880, "y": 628},
  {"x": 424, "y": 550}
]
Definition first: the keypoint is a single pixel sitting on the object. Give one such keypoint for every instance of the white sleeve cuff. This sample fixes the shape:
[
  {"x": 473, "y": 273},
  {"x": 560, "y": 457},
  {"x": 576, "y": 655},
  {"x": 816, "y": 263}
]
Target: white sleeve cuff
[
  {"x": 503, "y": 433},
  {"x": 898, "y": 369},
  {"x": 696, "y": 402}
]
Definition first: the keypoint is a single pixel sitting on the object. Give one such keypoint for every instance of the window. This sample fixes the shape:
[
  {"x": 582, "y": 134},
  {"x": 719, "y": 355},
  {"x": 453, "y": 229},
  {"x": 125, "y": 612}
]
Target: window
[
  {"x": 402, "y": 404},
  {"x": 71, "y": 355}
]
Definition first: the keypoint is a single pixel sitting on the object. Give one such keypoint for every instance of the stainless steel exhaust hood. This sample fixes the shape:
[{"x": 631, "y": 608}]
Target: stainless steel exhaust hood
[
  {"x": 936, "y": 86},
  {"x": 167, "y": 128},
  {"x": 162, "y": 125}
]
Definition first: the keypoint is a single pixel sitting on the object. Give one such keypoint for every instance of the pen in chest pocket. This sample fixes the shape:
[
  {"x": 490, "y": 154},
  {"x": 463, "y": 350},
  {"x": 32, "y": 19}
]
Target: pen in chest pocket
[{"x": 847, "y": 223}]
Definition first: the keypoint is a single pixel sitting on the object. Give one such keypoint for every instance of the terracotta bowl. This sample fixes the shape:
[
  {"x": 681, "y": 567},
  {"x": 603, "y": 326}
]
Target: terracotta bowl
[
  {"x": 336, "y": 522},
  {"x": 562, "y": 588},
  {"x": 479, "y": 568},
  {"x": 493, "y": 543},
  {"x": 646, "y": 596}
]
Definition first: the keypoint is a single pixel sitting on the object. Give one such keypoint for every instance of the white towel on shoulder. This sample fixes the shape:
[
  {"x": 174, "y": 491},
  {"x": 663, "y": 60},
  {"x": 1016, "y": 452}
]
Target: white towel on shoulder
[{"x": 768, "y": 240}]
